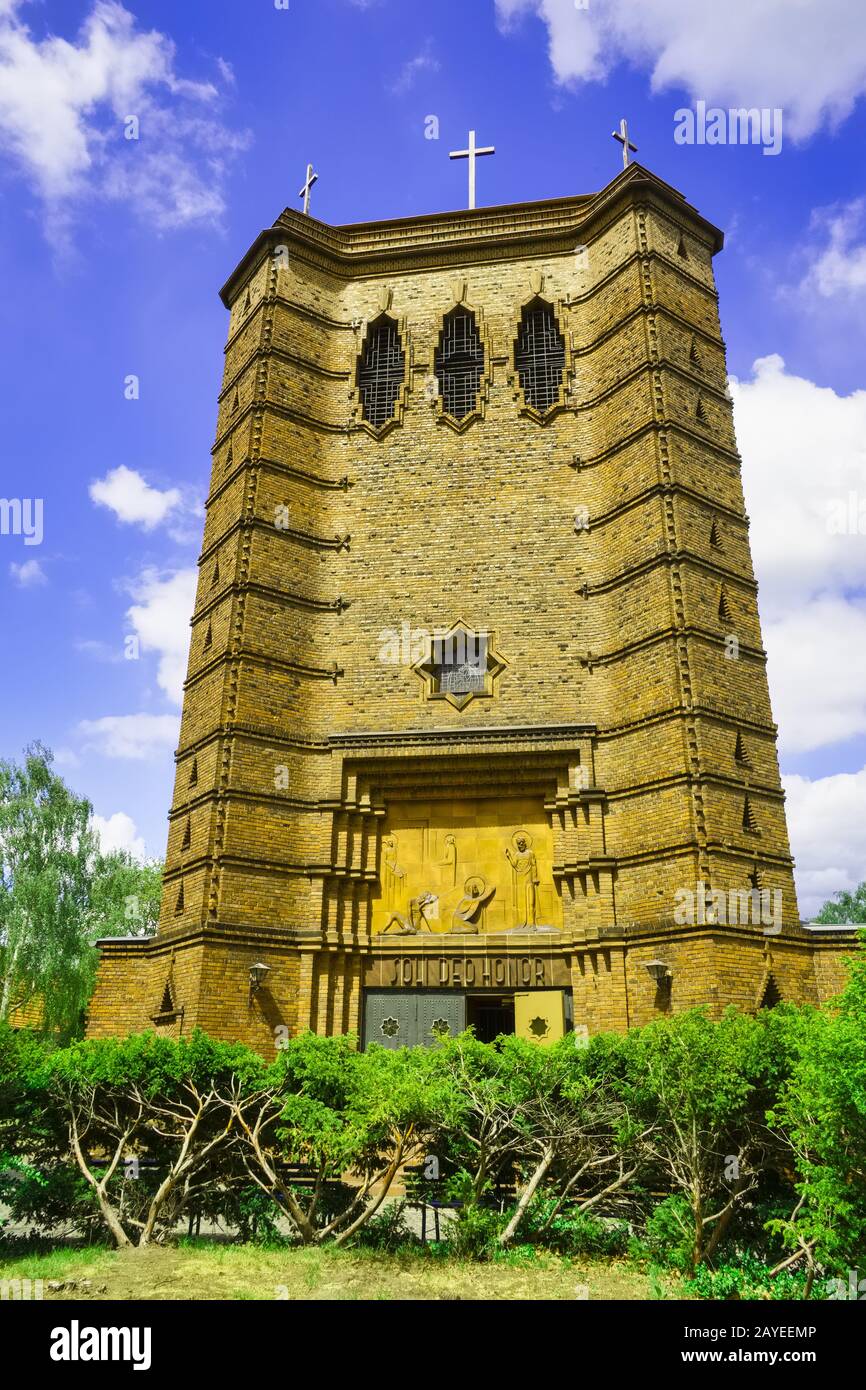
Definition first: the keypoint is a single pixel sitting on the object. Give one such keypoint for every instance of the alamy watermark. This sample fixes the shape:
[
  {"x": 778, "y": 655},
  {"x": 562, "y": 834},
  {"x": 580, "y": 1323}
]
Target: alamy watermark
[
  {"x": 853, "y": 1287},
  {"x": 704, "y": 906},
  {"x": 406, "y": 645},
  {"x": 736, "y": 126},
  {"x": 846, "y": 516},
  {"x": 22, "y": 516},
  {"x": 19, "y": 1290}
]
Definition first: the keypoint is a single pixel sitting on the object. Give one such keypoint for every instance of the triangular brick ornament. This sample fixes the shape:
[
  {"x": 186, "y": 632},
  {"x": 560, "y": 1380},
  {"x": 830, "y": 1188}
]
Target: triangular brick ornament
[
  {"x": 193, "y": 773},
  {"x": 216, "y": 575},
  {"x": 187, "y": 834},
  {"x": 755, "y": 879},
  {"x": 229, "y": 457},
  {"x": 715, "y": 538},
  {"x": 740, "y": 754},
  {"x": 235, "y": 401},
  {"x": 749, "y": 822},
  {"x": 724, "y": 607},
  {"x": 771, "y": 996},
  {"x": 682, "y": 250},
  {"x": 247, "y": 301},
  {"x": 178, "y": 907},
  {"x": 167, "y": 1005},
  {"x": 694, "y": 355},
  {"x": 700, "y": 411},
  {"x": 208, "y": 637}
]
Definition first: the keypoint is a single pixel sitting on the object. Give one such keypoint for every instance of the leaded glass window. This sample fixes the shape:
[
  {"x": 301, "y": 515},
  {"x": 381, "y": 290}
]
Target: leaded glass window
[
  {"x": 459, "y": 363},
  {"x": 539, "y": 356},
  {"x": 381, "y": 369}
]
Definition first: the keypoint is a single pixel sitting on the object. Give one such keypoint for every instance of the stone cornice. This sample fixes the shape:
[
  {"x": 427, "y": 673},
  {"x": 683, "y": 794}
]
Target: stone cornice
[
  {"x": 445, "y": 238},
  {"x": 513, "y": 734}
]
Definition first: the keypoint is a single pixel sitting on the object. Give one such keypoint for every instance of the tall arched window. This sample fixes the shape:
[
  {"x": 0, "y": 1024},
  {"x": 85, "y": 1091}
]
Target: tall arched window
[
  {"x": 381, "y": 369},
  {"x": 459, "y": 363},
  {"x": 539, "y": 356}
]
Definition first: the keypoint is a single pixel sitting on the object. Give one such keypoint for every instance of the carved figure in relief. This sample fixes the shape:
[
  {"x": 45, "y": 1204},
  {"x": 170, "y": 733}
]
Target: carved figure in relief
[
  {"x": 393, "y": 876},
  {"x": 471, "y": 906},
  {"x": 524, "y": 878},
  {"x": 449, "y": 862},
  {"x": 416, "y": 921}
]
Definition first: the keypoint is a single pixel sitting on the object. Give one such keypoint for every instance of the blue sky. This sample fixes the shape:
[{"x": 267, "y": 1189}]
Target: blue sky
[{"x": 112, "y": 251}]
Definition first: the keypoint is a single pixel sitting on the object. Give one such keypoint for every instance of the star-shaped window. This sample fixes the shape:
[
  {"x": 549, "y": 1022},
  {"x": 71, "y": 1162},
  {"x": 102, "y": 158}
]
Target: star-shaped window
[{"x": 460, "y": 665}]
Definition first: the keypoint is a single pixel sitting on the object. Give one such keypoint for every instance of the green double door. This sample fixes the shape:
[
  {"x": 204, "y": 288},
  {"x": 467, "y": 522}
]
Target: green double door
[{"x": 412, "y": 1018}]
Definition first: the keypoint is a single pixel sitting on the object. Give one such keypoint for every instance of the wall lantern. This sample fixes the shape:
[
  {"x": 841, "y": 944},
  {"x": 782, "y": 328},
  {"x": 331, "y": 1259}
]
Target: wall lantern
[
  {"x": 658, "y": 971},
  {"x": 258, "y": 973}
]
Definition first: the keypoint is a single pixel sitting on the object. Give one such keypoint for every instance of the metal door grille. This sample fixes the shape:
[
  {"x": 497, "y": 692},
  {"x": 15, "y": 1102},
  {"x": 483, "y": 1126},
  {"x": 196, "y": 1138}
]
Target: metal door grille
[
  {"x": 459, "y": 364},
  {"x": 540, "y": 356},
  {"x": 381, "y": 368}
]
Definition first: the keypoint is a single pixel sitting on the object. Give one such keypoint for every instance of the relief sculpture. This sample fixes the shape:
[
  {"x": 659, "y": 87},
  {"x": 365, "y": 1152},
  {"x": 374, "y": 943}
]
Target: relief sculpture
[
  {"x": 524, "y": 879},
  {"x": 466, "y": 868},
  {"x": 470, "y": 909},
  {"x": 417, "y": 919},
  {"x": 393, "y": 877}
]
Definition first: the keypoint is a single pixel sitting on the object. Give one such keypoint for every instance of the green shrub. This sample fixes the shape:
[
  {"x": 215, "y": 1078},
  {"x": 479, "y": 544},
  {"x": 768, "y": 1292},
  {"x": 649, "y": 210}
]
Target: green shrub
[
  {"x": 745, "y": 1277},
  {"x": 669, "y": 1234},
  {"x": 255, "y": 1215},
  {"x": 573, "y": 1233},
  {"x": 474, "y": 1234},
  {"x": 387, "y": 1230}
]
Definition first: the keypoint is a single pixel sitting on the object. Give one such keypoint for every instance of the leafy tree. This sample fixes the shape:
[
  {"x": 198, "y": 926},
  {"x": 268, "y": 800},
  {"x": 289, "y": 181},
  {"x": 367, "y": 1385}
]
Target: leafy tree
[
  {"x": 845, "y": 907},
  {"x": 822, "y": 1113},
  {"x": 151, "y": 1111},
  {"x": 536, "y": 1117},
  {"x": 47, "y": 848},
  {"x": 37, "y": 1184},
  {"x": 58, "y": 894},
  {"x": 335, "y": 1112},
  {"x": 401, "y": 1095},
  {"x": 124, "y": 896},
  {"x": 696, "y": 1082}
]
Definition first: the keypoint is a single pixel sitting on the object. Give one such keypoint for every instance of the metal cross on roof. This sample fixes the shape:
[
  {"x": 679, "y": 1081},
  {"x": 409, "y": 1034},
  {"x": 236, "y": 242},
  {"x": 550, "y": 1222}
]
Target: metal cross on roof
[
  {"x": 471, "y": 154},
  {"x": 305, "y": 191},
  {"x": 622, "y": 136}
]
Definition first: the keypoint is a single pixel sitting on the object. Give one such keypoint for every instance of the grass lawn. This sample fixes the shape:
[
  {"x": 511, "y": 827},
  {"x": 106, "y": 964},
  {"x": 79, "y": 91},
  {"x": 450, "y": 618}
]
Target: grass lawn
[{"x": 208, "y": 1270}]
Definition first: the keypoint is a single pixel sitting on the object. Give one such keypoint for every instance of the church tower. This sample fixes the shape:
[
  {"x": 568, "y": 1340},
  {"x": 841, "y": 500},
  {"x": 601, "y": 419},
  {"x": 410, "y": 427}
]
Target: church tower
[{"x": 476, "y": 729}]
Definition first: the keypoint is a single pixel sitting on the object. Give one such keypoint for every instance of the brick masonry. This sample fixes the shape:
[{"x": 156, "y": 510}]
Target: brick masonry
[{"x": 631, "y": 707}]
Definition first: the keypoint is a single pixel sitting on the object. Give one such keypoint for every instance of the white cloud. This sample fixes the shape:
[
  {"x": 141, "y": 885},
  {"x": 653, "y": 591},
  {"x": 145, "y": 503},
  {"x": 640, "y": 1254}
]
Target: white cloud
[
  {"x": 808, "y": 58},
  {"x": 160, "y": 618},
  {"x": 133, "y": 501},
  {"x": 119, "y": 832},
  {"x": 63, "y": 108},
  {"x": 134, "y": 736},
  {"x": 838, "y": 266},
  {"x": 28, "y": 575},
  {"x": 816, "y": 661},
  {"x": 804, "y": 455},
  {"x": 828, "y": 835},
  {"x": 425, "y": 61},
  {"x": 804, "y": 449}
]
